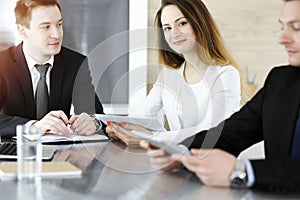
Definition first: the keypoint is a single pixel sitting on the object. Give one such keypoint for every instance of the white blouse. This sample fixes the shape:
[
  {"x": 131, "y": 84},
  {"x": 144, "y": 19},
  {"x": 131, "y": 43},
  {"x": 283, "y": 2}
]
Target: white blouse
[{"x": 190, "y": 108}]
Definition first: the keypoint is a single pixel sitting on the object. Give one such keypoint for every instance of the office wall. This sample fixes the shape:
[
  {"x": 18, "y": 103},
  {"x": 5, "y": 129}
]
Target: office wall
[
  {"x": 250, "y": 30},
  {"x": 86, "y": 25},
  {"x": 8, "y": 31}
]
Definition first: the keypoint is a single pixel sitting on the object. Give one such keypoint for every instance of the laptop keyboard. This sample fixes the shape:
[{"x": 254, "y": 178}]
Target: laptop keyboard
[{"x": 7, "y": 148}]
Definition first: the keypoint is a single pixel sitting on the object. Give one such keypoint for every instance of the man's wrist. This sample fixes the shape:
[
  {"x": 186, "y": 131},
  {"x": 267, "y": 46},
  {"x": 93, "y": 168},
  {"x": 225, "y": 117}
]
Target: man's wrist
[
  {"x": 29, "y": 124},
  {"x": 97, "y": 123},
  {"x": 238, "y": 177}
]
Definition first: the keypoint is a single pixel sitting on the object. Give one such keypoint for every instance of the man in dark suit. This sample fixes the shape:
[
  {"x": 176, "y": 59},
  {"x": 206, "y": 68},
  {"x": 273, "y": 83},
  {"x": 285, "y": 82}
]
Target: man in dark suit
[
  {"x": 67, "y": 77},
  {"x": 272, "y": 115}
]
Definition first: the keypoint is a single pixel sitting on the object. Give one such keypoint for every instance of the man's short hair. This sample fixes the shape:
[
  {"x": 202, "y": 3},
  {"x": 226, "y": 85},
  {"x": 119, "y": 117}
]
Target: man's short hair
[{"x": 24, "y": 8}]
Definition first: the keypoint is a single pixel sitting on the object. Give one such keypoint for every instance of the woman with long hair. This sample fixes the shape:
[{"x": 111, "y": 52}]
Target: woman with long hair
[{"x": 200, "y": 84}]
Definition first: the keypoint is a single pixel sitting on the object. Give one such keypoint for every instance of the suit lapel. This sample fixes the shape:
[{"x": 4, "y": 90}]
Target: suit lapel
[
  {"x": 289, "y": 101},
  {"x": 24, "y": 78},
  {"x": 56, "y": 82}
]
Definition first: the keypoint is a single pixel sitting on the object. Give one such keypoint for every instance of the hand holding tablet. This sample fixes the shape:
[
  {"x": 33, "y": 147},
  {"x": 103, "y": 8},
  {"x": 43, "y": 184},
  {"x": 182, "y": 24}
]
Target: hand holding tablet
[
  {"x": 147, "y": 122},
  {"x": 168, "y": 147}
]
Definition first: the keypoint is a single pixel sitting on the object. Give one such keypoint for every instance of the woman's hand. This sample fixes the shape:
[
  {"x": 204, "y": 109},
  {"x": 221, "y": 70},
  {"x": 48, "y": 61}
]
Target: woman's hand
[
  {"x": 123, "y": 132},
  {"x": 110, "y": 132}
]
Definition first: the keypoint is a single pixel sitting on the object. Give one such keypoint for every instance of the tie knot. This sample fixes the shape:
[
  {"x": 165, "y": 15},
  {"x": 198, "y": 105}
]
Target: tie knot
[{"x": 42, "y": 69}]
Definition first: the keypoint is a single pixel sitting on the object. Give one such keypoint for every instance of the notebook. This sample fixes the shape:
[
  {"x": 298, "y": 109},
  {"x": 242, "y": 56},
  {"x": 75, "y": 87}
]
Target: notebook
[
  {"x": 8, "y": 151},
  {"x": 49, "y": 170}
]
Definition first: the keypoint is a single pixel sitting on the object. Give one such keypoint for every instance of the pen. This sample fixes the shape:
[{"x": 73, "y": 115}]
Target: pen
[
  {"x": 59, "y": 117},
  {"x": 68, "y": 123}
]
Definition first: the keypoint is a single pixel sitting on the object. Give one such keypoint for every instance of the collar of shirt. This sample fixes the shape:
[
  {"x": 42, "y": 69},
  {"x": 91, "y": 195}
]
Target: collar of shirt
[{"x": 34, "y": 73}]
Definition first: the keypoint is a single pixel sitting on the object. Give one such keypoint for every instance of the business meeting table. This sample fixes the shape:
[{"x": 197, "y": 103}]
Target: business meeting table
[{"x": 111, "y": 170}]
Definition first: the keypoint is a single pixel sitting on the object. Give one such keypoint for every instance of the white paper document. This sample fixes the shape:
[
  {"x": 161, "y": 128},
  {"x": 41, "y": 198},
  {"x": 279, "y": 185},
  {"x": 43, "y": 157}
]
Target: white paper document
[
  {"x": 150, "y": 123},
  {"x": 53, "y": 138}
]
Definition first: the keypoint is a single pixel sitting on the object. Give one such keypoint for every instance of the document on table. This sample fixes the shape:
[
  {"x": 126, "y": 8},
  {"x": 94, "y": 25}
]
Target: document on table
[
  {"x": 147, "y": 122},
  {"x": 72, "y": 138},
  {"x": 8, "y": 170}
]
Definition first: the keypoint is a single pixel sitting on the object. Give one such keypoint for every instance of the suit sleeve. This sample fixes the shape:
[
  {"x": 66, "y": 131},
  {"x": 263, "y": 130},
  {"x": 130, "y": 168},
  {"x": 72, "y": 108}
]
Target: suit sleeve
[
  {"x": 245, "y": 128},
  {"x": 235, "y": 134},
  {"x": 281, "y": 174},
  {"x": 84, "y": 97},
  {"x": 8, "y": 123}
]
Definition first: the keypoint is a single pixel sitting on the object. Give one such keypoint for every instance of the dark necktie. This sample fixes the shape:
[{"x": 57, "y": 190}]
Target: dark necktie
[
  {"x": 41, "y": 95},
  {"x": 296, "y": 142}
]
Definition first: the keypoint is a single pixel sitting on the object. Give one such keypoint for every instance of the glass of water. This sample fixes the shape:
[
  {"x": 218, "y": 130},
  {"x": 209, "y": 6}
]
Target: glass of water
[{"x": 29, "y": 152}]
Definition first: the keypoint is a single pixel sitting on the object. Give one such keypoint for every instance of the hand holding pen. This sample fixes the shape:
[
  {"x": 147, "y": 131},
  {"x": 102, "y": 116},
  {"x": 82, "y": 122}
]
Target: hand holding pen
[
  {"x": 54, "y": 122},
  {"x": 68, "y": 123},
  {"x": 57, "y": 122}
]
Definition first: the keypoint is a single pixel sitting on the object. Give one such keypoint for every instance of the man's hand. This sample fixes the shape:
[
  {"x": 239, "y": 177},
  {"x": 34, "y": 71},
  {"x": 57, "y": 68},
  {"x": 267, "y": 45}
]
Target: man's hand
[
  {"x": 83, "y": 124},
  {"x": 159, "y": 158},
  {"x": 213, "y": 167},
  {"x": 54, "y": 121}
]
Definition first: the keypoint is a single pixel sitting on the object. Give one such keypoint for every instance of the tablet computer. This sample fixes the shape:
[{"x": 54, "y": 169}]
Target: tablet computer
[{"x": 147, "y": 122}]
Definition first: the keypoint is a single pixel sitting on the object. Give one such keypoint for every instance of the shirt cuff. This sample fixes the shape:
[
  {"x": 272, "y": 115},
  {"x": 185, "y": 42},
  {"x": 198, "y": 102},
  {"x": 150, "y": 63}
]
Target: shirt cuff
[
  {"x": 250, "y": 174},
  {"x": 28, "y": 124}
]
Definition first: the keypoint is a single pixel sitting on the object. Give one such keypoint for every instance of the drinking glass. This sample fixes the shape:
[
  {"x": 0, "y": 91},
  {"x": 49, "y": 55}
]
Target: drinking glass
[{"x": 29, "y": 152}]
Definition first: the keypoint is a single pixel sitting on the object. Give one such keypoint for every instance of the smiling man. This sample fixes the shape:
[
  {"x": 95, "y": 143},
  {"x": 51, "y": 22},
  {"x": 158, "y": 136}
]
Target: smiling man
[{"x": 40, "y": 79}]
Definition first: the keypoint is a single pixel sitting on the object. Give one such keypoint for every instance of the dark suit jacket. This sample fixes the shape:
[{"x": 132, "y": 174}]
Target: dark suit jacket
[
  {"x": 70, "y": 82},
  {"x": 270, "y": 116}
]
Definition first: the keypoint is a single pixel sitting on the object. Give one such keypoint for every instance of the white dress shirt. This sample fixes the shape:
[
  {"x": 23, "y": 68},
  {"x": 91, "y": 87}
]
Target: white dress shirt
[
  {"x": 190, "y": 108},
  {"x": 34, "y": 73}
]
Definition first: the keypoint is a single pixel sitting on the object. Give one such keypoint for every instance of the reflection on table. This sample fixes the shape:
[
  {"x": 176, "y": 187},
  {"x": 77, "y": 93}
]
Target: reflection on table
[{"x": 114, "y": 171}]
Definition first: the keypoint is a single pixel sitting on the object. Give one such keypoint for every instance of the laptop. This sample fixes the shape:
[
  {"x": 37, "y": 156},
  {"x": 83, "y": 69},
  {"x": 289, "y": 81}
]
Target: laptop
[{"x": 8, "y": 151}]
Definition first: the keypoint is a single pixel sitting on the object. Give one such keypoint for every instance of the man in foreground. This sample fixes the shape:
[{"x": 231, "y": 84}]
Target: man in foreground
[{"x": 272, "y": 115}]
